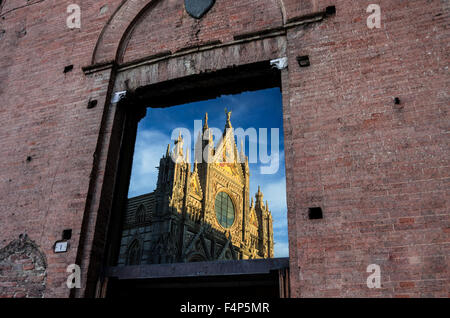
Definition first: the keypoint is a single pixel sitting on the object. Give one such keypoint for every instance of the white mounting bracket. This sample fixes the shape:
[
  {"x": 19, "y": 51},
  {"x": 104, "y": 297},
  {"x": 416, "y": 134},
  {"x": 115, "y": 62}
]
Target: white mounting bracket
[
  {"x": 117, "y": 96},
  {"x": 280, "y": 63}
]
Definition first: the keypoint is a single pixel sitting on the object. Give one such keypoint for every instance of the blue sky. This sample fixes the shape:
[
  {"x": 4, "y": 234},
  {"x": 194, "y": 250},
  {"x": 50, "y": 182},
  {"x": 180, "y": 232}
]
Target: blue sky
[{"x": 258, "y": 109}]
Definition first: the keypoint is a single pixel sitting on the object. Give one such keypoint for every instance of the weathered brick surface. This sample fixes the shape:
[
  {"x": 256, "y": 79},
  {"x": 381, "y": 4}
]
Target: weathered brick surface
[
  {"x": 44, "y": 116},
  {"x": 378, "y": 170},
  {"x": 22, "y": 270},
  {"x": 154, "y": 34}
]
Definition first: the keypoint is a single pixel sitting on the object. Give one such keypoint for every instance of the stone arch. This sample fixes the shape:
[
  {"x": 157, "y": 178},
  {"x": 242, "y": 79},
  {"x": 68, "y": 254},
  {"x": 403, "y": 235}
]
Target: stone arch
[
  {"x": 116, "y": 32},
  {"x": 25, "y": 265}
]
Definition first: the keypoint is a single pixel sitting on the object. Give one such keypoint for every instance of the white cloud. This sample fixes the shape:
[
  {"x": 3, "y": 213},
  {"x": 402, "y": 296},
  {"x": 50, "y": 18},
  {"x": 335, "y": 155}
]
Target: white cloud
[
  {"x": 150, "y": 146},
  {"x": 274, "y": 192},
  {"x": 281, "y": 249}
]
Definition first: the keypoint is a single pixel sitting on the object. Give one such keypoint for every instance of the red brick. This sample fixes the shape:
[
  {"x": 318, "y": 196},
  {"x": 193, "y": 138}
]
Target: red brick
[
  {"x": 28, "y": 267},
  {"x": 407, "y": 284}
]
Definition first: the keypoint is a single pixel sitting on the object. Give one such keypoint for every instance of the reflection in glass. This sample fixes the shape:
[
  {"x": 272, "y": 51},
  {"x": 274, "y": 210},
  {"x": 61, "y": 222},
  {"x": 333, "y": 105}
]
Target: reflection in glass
[{"x": 194, "y": 211}]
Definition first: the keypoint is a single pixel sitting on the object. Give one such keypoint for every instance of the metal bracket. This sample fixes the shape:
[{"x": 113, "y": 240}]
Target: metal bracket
[
  {"x": 117, "y": 96},
  {"x": 280, "y": 63}
]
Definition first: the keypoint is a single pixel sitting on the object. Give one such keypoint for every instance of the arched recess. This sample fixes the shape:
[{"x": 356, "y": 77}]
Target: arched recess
[
  {"x": 114, "y": 35},
  {"x": 121, "y": 21},
  {"x": 134, "y": 253},
  {"x": 23, "y": 266}
]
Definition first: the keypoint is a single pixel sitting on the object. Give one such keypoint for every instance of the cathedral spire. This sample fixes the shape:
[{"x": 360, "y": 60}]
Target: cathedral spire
[
  {"x": 205, "y": 125},
  {"x": 168, "y": 151},
  {"x": 259, "y": 196},
  {"x": 179, "y": 146},
  {"x": 210, "y": 138},
  {"x": 228, "y": 124},
  {"x": 242, "y": 157}
]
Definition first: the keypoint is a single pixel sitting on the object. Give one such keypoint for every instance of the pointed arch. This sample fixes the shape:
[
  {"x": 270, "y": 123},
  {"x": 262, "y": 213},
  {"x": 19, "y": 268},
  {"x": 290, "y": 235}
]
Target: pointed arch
[
  {"x": 134, "y": 253},
  {"x": 117, "y": 30},
  {"x": 25, "y": 246},
  {"x": 140, "y": 213}
]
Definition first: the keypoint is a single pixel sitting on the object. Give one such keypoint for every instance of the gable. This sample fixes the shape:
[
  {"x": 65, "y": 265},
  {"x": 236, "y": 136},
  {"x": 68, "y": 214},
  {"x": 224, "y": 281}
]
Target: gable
[
  {"x": 195, "y": 188},
  {"x": 226, "y": 158}
]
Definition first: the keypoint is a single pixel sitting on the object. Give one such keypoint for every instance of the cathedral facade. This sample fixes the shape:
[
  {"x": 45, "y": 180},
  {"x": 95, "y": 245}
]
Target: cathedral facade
[{"x": 199, "y": 213}]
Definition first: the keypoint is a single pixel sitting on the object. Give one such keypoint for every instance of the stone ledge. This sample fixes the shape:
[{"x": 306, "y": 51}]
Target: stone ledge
[{"x": 198, "y": 269}]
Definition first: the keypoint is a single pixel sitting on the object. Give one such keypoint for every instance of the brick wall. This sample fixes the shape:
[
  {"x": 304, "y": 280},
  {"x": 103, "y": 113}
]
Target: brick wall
[
  {"x": 378, "y": 170},
  {"x": 48, "y": 136}
]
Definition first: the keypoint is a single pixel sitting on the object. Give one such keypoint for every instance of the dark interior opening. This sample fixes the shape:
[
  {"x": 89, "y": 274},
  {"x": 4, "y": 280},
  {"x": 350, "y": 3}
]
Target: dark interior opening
[
  {"x": 67, "y": 234},
  {"x": 68, "y": 68},
  {"x": 315, "y": 213},
  {"x": 187, "y": 287},
  {"x": 253, "y": 278}
]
